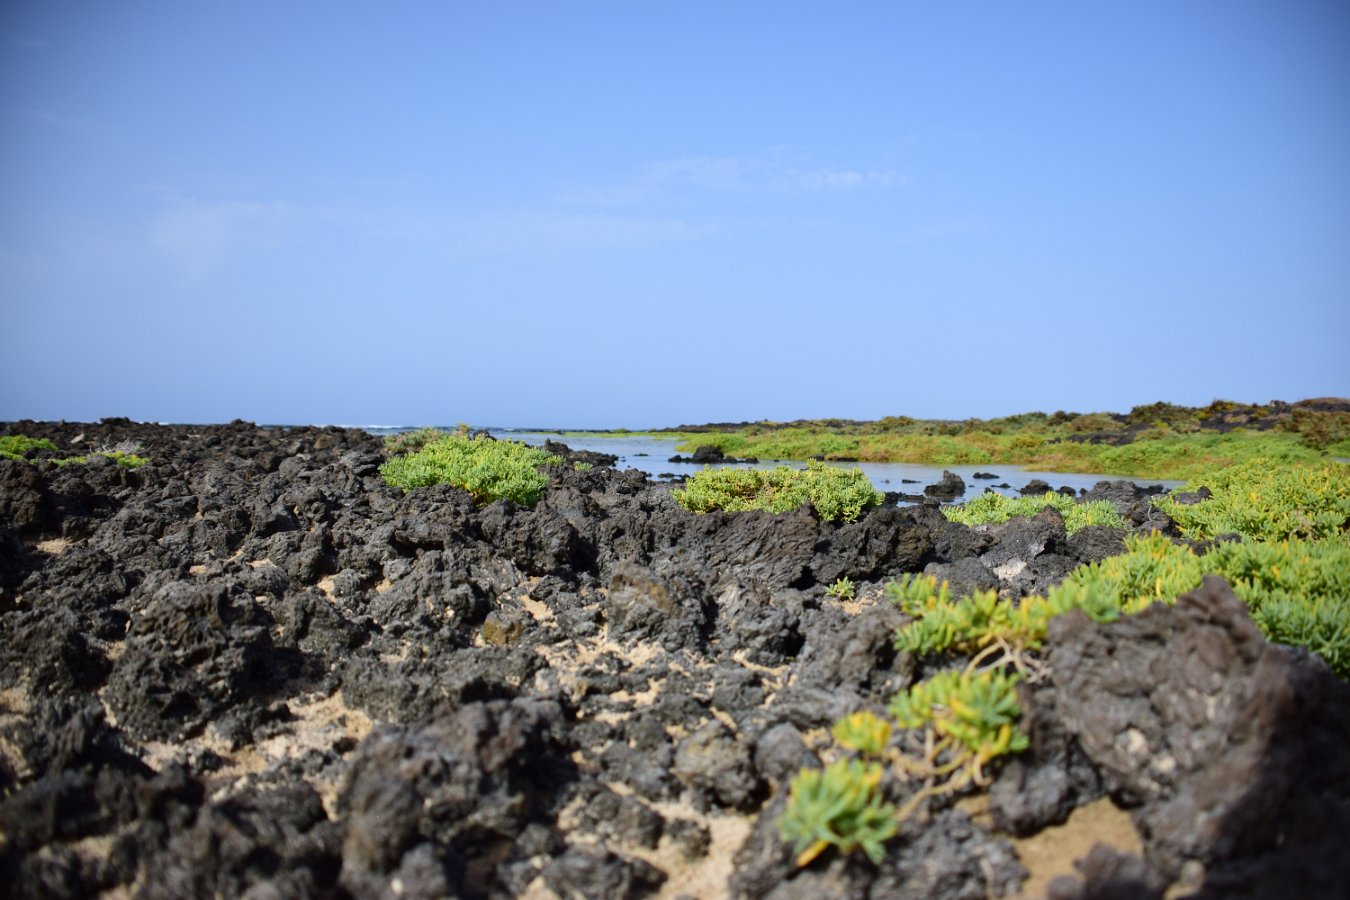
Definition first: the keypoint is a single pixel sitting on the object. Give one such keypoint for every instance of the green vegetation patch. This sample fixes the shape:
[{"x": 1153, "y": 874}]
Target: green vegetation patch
[
  {"x": 1263, "y": 501},
  {"x": 1298, "y": 592},
  {"x": 1159, "y": 452},
  {"x": 838, "y": 806},
  {"x": 946, "y": 730},
  {"x": 486, "y": 468},
  {"x": 837, "y": 494},
  {"x": 991, "y": 508},
  {"x": 14, "y": 446}
]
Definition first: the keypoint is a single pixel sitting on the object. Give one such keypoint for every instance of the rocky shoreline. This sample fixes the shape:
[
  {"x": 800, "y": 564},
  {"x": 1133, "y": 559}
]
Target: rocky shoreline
[{"x": 251, "y": 668}]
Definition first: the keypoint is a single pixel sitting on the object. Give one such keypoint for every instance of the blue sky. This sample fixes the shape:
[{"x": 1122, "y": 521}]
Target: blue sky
[{"x": 646, "y": 214}]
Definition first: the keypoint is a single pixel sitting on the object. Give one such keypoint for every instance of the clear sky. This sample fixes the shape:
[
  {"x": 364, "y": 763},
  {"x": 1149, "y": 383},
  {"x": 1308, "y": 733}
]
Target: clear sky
[{"x": 644, "y": 214}]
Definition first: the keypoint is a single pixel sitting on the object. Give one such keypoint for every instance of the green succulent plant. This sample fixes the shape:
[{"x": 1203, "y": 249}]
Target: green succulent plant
[
  {"x": 1263, "y": 501},
  {"x": 992, "y": 508},
  {"x": 838, "y": 806},
  {"x": 841, "y": 589},
  {"x": 865, "y": 732},
  {"x": 837, "y": 494},
  {"x": 486, "y": 468}
]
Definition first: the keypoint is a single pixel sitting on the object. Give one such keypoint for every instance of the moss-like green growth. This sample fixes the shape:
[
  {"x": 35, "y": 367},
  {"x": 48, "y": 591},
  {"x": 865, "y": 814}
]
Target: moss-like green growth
[
  {"x": 1263, "y": 501},
  {"x": 14, "y": 446},
  {"x": 486, "y": 468},
  {"x": 837, "y": 494},
  {"x": 992, "y": 508}
]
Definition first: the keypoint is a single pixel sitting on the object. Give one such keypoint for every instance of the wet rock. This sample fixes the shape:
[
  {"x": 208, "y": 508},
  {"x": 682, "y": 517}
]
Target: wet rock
[
  {"x": 951, "y": 487},
  {"x": 1034, "y": 488},
  {"x": 707, "y": 454}
]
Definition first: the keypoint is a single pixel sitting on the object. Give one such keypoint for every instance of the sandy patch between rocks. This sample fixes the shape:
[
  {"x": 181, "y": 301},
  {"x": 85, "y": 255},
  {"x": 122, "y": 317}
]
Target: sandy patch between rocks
[
  {"x": 705, "y": 877},
  {"x": 1051, "y": 852},
  {"x": 316, "y": 724}
]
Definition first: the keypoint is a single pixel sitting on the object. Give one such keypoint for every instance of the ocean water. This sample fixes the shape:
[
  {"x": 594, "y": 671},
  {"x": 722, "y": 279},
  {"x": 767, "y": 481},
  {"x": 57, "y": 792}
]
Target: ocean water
[{"x": 652, "y": 454}]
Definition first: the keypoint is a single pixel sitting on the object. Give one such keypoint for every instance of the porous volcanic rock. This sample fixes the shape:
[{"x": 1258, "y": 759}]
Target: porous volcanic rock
[
  {"x": 252, "y": 668},
  {"x": 1212, "y": 735}
]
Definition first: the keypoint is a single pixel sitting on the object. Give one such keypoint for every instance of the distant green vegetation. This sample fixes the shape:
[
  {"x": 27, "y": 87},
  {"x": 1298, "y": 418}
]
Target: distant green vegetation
[
  {"x": 1159, "y": 440},
  {"x": 1163, "y": 455},
  {"x": 837, "y": 494},
  {"x": 1264, "y": 501},
  {"x": 991, "y": 508},
  {"x": 486, "y": 468}
]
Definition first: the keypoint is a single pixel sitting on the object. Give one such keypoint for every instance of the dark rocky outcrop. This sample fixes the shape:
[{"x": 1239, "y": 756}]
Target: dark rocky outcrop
[
  {"x": 1215, "y": 737},
  {"x": 951, "y": 487},
  {"x": 251, "y": 668}
]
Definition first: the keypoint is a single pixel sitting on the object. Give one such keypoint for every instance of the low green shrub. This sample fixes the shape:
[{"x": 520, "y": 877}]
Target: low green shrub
[
  {"x": 952, "y": 726},
  {"x": 1298, "y": 593},
  {"x": 121, "y": 457},
  {"x": 991, "y": 508},
  {"x": 837, "y": 494},
  {"x": 1261, "y": 500},
  {"x": 14, "y": 446},
  {"x": 411, "y": 441},
  {"x": 486, "y": 468}
]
